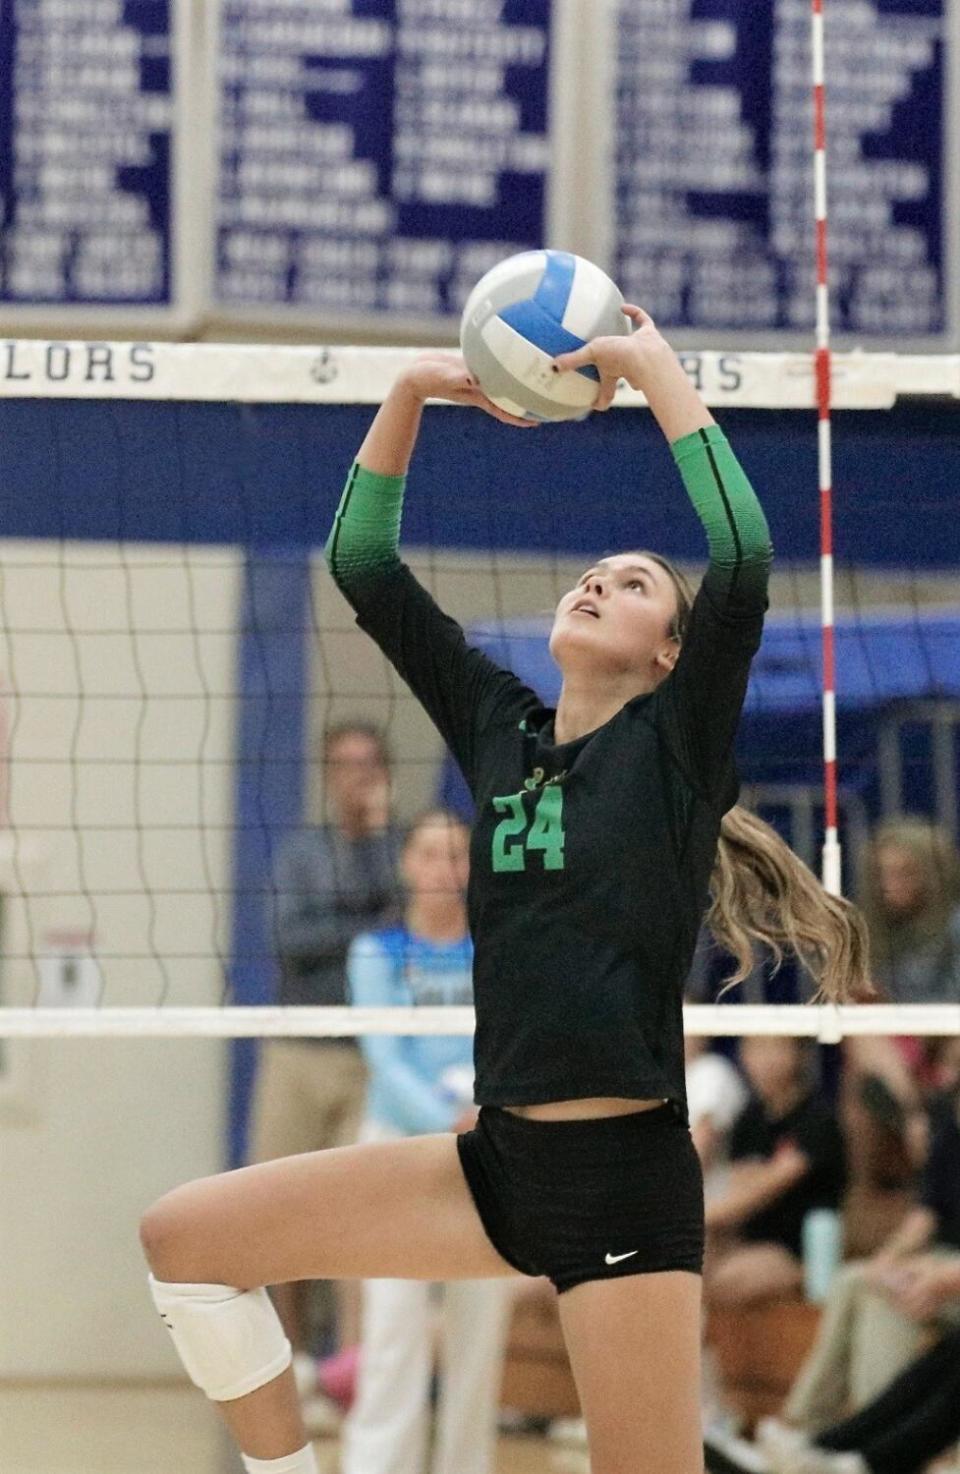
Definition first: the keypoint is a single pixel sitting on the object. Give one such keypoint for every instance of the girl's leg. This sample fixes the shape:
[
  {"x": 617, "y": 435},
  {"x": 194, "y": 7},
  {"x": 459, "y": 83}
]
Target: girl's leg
[
  {"x": 346, "y": 1126},
  {"x": 386, "y": 1431},
  {"x": 634, "y": 1346},
  {"x": 283, "y": 1123},
  {"x": 398, "y": 1209},
  {"x": 476, "y": 1314}
]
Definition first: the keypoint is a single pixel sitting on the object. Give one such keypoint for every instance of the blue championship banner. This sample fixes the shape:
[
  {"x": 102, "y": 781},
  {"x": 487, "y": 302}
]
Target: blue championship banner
[
  {"x": 86, "y": 145},
  {"x": 714, "y": 190},
  {"x": 377, "y": 156}
]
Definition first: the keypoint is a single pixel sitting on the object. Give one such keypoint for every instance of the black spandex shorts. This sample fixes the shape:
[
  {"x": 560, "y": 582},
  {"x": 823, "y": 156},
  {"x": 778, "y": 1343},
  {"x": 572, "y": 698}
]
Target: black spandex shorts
[{"x": 587, "y": 1199}]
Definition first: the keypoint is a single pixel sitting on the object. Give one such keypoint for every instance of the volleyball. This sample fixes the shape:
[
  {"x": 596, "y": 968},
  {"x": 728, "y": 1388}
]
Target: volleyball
[{"x": 521, "y": 315}]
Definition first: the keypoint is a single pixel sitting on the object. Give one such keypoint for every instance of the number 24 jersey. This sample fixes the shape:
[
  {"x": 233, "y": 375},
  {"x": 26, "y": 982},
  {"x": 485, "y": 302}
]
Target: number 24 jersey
[{"x": 590, "y": 860}]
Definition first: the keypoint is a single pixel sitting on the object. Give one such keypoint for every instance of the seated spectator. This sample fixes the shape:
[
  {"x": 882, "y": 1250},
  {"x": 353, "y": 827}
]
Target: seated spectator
[
  {"x": 787, "y": 1158},
  {"x": 716, "y": 1095},
  {"x": 878, "y": 1312},
  {"x": 889, "y": 1088},
  {"x": 420, "y": 1084},
  {"x": 911, "y": 901},
  {"x": 916, "y": 1419}
]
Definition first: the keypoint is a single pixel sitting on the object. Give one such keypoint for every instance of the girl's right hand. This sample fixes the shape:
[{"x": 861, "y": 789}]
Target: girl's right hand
[
  {"x": 633, "y": 357},
  {"x": 437, "y": 374}
]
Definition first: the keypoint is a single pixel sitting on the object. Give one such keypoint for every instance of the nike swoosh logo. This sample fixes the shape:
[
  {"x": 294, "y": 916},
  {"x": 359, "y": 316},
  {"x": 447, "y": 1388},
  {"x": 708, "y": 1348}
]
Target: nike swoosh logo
[{"x": 615, "y": 1258}]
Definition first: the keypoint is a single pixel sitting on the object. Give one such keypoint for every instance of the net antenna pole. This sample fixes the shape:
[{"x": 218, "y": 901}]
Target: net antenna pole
[{"x": 824, "y": 386}]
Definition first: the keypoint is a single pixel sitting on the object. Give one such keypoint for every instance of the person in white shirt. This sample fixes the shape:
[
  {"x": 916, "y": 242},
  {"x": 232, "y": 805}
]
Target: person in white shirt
[
  {"x": 716, "y": 1094},
  {"x": 421, "y": 1084}
]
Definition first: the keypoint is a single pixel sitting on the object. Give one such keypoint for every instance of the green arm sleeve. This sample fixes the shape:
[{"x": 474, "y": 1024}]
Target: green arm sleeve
[
  {"x": 458, "y": 686},
  {"x": 366, "y": 529},
  {"x": 700, "y": 703},
  {"x": 732, "y": 517}
]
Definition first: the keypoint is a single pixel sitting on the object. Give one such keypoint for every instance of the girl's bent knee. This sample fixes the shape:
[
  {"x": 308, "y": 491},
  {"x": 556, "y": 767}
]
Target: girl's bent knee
[
  {"x": 156, "y": 1231},
  {"x": 168, "y": 1235}
]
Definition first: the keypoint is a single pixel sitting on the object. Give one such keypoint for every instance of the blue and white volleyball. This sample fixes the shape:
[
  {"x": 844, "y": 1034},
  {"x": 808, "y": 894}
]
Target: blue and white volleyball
[{"x": 526, "y": 311}]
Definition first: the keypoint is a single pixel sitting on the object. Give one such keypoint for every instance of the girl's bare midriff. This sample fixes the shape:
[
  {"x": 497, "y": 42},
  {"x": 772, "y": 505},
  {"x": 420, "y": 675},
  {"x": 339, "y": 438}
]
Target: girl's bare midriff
[{"x": 571, "y": 1110}]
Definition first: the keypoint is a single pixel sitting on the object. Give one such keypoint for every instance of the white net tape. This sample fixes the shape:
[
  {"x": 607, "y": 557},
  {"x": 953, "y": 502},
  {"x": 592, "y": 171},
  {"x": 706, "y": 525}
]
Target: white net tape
[
  {"x": 825, "y": 1022},
  {"x": 264, "y": 375}
]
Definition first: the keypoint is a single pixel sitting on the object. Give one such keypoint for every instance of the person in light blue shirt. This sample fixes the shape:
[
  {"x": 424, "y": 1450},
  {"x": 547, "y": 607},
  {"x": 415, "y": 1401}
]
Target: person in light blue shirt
[{"x": 420, "y": 1084}]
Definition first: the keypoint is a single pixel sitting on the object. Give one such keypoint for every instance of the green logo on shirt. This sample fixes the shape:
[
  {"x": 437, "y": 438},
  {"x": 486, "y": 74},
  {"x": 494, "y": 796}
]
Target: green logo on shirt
[{"x": 512, "y": 839}]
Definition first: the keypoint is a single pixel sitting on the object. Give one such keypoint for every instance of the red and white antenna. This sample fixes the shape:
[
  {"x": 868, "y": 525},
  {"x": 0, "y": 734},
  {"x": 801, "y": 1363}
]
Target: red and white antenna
[{"x": 824, "y": 378}]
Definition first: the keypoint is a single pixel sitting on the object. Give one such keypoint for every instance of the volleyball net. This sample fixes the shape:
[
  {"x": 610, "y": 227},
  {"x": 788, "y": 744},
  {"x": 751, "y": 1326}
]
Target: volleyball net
[{"x": 173, "y": 647}]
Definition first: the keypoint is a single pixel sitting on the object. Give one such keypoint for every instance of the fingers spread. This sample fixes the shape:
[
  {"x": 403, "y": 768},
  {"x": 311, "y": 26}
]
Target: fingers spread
[
  {"x": 637, "y": 315},
  {"x": 578, "y": 359},
  {"x": 505, "y": 418}
]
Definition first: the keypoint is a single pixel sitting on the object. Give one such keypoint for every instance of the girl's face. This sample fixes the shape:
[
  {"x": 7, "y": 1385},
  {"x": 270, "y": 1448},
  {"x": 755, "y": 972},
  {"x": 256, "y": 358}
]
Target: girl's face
[
  {"x": 436, "y": 859},
  {"x": 618, "y": 616},
  {"x": 354, "y": 765},
  {"x": 773, "y": 1065},
  {"x": 900, "y": 880}
]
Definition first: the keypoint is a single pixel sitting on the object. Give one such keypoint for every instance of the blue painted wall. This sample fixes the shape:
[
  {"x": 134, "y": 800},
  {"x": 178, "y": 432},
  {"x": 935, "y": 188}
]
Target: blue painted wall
[
  {"x": 272, "y": 683},
  {"x": 267, "y": 476}
]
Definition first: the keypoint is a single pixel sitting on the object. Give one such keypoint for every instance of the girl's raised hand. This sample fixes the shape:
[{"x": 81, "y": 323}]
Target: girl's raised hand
[
  {"x": 437, "y": 374},
  {"x": 629, "y": 357}
]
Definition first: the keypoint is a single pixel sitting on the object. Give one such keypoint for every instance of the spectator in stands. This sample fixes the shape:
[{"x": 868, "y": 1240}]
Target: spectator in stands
[
  {"x": 916, "y": 1419},
  {"x": 331, "y": 881},
  {"x": 422, "y": 1084},
  {"x": 716, "y": 1095},
  {"x": 787, "y": 1158},
  {"x": 911, "y": 899},
  {"x": 878, "y": 1312}
]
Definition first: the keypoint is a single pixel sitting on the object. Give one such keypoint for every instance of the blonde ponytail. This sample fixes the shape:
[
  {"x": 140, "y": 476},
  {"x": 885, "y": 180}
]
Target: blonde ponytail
[{"x": 761, "y": 892}]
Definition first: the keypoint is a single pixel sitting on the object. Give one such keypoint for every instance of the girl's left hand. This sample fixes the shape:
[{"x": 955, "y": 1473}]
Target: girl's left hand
[
  {"x": 436, "y": 374},
  {"x": 630, "y": 357}
]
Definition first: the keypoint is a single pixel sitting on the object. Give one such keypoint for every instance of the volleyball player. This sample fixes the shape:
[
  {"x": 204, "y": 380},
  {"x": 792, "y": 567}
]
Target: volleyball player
[{"x": 598, "y": 827}]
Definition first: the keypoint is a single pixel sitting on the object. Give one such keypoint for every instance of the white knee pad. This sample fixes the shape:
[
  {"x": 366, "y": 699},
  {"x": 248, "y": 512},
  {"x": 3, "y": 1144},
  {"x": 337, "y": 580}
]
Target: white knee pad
[{"x": 230, "y": 1341}]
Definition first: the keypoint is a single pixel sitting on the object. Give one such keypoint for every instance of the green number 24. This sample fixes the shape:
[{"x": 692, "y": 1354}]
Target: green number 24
[{"x": 545, "y": 833}]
